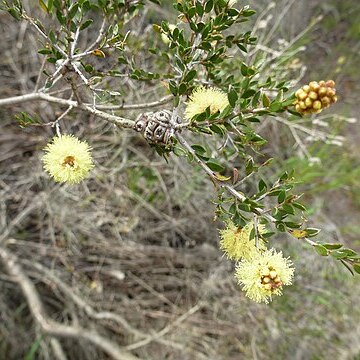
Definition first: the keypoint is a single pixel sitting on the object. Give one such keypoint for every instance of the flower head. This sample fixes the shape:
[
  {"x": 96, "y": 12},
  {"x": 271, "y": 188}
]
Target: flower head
[
  {"x": 236, "y": 243},
  {"x": 315, "y": 97},
  {"x": 67, "y": 159},
  {"x": 264, "y": 275},
  {"x": 202, "y": 98}
]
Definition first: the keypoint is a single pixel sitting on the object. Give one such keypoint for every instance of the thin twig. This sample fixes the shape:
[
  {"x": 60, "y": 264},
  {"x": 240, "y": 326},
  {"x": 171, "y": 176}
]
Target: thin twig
[
  {"x": 99, "y": 315},
  {"x": 116, "y": 120},
  {"x": 49, "y": 326}
]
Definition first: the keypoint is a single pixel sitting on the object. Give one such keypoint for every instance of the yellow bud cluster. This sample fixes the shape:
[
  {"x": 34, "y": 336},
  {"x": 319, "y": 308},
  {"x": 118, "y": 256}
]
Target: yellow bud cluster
[
  {"x": 270, "y": 280},
  {"x": 315, "y": 97}
]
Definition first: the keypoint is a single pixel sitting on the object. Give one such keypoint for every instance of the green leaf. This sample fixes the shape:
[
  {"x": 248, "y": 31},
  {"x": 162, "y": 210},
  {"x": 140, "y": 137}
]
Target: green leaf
[
  {"x": 182, "y": 89},
  {"x": 52, "y": 37},
  {"x": 299, "y": 206},
  {"x": 218, "y": 129},
  {"x": 356, "y": 268},
  {"x": 45, "y": 51},
  {"x": 14, "y": 13},
  {"x": 332, "y": 246},
  {"x": 43, "y": 6},
  {"x": 281, "y": 196},
  {"x": 199, "y": 9},
  {"x": 244, "y": 69},
  {"x": 275, "y": 106},
  {"x": 249, "y": 167},
  {"x": 311, "y": 232},
  {"x": 265, "y": 100},
  {"x": 339, "y": 254},
  {"x": 321, "y": 250},
  {"x": 31, "y": 355},
  {"x": 86, "y": 24},
  {"x": 248, "y": 93},
  {"x": 232, "y": 96},
  {"x": 262, "y": 185},
  {"x": 214, "y": 166},
  {"x": 248, "y": 13},
  {"x": 60, "y": 17},
  {"x": 73, "y": 10},
  {"x": 281, "y": 227},
  {"x": 288, "y": 209},
  {"x": 190, "y": 75},
  {"x": 199, "y": 149},
  {"x": 179, "y": 151},
  {"x": 209, "y": 5},
  {"x": 173, "y": 87}
]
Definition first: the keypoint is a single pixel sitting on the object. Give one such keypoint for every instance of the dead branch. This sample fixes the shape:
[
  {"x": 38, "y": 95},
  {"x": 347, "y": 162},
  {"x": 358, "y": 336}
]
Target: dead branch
[{"x": 49, "y": 326}]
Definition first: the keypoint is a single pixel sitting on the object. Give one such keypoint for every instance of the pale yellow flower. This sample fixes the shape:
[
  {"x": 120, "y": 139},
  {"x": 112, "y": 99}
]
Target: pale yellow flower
[
  {"x": 67, "y": 159},
  {"x": 236, "y": 243},
  {"x": 202, "y": 98},
  {"x": 264, "y": 275}
]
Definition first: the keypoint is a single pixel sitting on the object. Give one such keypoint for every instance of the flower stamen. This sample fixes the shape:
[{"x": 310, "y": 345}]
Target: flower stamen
[{"x": 69, "y": 161}]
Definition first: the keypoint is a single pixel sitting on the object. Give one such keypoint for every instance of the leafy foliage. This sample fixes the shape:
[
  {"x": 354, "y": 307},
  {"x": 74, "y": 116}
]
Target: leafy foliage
[{"x": 208, "y": 46}]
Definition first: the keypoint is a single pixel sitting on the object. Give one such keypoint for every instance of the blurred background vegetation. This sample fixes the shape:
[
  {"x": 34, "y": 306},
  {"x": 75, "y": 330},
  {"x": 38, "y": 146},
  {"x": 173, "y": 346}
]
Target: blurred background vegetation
[{"x": 139, "y": 239}]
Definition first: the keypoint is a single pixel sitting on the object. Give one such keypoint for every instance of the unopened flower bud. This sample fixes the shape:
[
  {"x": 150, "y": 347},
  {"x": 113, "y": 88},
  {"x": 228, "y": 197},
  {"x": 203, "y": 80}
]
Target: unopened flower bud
[
  {"x": 322, "y": 91},
  {"x": 325, "y": 101},
  {"x": 273, "y": 274},
  {"x": 315, "y": 97},
  {"x": 302, "y": 105},
  {"x": 308, "y": 102},
  {"x": 317, "y": 105},
  {"x": 302, "y": 95},
  {"x": 312, "y": 95},
  {"x": 267, "y": 286},
  {"x": 265, "y": 272},
  {"x": 314, "y": 86}
]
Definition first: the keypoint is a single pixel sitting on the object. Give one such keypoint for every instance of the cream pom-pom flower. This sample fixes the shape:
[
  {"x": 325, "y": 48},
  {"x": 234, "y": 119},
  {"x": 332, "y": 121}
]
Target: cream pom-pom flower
[
  {"x": 202, "y": 98},
  {"x": 235, "y": 241},
  {"x": 264, "y": 275},
  {"x": 67, "y": 159}
]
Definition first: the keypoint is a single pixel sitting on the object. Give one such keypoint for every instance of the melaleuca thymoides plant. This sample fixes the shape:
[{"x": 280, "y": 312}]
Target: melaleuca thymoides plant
[{"x": 215, "y": 87}]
